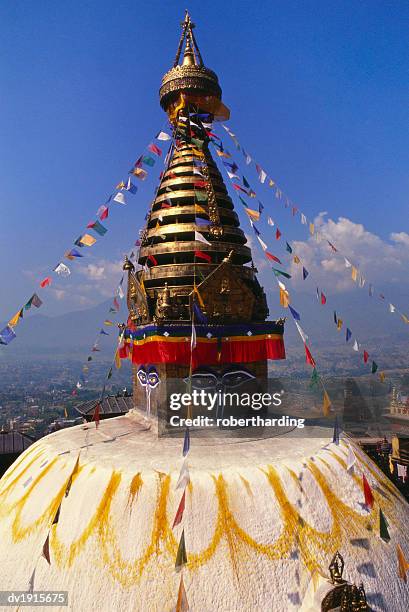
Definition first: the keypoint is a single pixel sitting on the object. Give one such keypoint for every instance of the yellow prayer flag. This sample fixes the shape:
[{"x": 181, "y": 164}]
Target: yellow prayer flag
[
  {"x": 271, "y": 183},
  {"x": 107, "y": 322},
  {"x": 87, "y": 240},
  {"x": 284, "y": 298},
  {"x": 339, "y": 324},
  {"x": 65, "y": 412},
  {"x": 140, "y": 173},
  {"x": 296, "y": 259},
  {"x": 326, "y": 404},
  {"x": 200, "y": 209},
  {"x": 120, "y": 185},
  {"x": 312, "y": 229},
  {"x": 382, "y": 376},
  {"x": 354, "y": 273},
  {"x": 14, "y": 320},
  {"x": 404, "y": 318},
  {"x": 197, "y": 152},
  {"x": 117, "y": 360},
  {"x": 402, "y": 563},
  {"x": 253, "y": 214}
]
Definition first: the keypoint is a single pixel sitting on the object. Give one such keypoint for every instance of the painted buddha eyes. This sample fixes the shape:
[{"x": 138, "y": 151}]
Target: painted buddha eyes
[
  {"x": 206, "y": 379},
  {"x": 148, "y": 378}
]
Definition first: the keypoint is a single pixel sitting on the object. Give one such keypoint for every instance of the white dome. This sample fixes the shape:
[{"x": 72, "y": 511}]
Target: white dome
[{"x": 262, "y": 521}]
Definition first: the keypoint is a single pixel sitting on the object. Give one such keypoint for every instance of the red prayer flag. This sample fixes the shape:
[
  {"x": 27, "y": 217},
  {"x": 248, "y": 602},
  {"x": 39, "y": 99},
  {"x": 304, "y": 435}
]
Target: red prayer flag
[
  {"x": 323, "y": 299},
  {"x": 46, "y": 282},
  {"x": 366, "y": 357},
  {"x": 155, "y": 149},
  {"x": 294, "y": 210},
  {"x": 309, "y": 357},
  {"x": 271, "y": 257},
  {"x": 96, "y": 415},
  {"x": 116, "y": 304},
  {"x": 104, "y": 213},
  {"x": 180, "y": 510},
  {"x": 166, "y": 205},
  {"x": 278, "y": 234},
  {"x": 367, "y": 492},
  {"x": 202, "y": 255},
  {"x": 200, "y": 184},
  {"x": 153, "y": 260},
  {"x": 239, "y": 188}
]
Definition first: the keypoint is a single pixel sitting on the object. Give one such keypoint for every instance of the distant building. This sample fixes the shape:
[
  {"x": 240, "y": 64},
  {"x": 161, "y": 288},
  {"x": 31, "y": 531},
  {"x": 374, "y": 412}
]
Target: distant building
[{"x": 12, "y": 443}]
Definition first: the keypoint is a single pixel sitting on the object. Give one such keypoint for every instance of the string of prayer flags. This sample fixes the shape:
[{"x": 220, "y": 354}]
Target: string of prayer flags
[
  {"x": 62, "y": 270},
  {"x": 180, "y": 511},
  {"x": 403, "y": 565},
  {"x": 351, "y": 458},
  {"x": 369, "y": 499},
  {"x": 335, "y": 436},
  {"x": 46, "y": 282},
  {"x": 182, "y": 604},
  {"x": 383, "y": 527},
  {"x": 326, "y": 404},
  {"x": 186, "y": 442},
  {"x": 181, "y": 557},
  {"x": 97, "y": 227}
]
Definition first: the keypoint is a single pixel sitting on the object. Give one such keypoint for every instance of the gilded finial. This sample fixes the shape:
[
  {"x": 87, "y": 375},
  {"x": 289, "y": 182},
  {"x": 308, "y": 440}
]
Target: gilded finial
[{"x": 128, "y": 265}]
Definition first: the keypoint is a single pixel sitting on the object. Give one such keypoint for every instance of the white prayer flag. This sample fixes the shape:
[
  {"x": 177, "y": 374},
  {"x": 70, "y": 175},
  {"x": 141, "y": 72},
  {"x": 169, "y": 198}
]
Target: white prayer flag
[
  {"x": 62, "y": 269},
  {"x": 263, "y": 244},
  {"x": 232, "y": 175},
  {"x": 347, "y": 263},
  {"x": 200, "y": 238},
  {"x": 392, "y": 308},
  {"x": 351, "y": 459},
  {"x": 270, "y": 221},
  {"x": 184, "y": 476},
  {"x": 262, "y": 176},
  {"x": 121, "y": 292},
  {"x": 356, "y": 346},
  {"x": 120, "y": 198},
  {"x": 301, "y": 332},
  {"x": 303, "y": 219},
  {"x": 193, "y": 338},
  {"x": 163, "y": 136}
]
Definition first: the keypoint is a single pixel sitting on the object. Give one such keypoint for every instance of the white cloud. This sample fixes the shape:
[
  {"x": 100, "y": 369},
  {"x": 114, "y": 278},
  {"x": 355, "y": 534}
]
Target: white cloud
[{"x": 378, "y": 260}]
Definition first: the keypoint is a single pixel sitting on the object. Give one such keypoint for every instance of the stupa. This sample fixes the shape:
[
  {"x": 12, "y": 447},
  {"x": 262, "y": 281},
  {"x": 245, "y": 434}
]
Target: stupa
[{"x": 277, "y": 524}]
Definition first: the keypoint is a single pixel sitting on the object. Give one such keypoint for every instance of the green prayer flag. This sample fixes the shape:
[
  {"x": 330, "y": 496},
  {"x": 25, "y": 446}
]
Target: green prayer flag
[
  {"x": 201, "y": 196},
  {"x": 281, "y": 273},
  {"x": 197, "y": 142},
  {"x": 314, "y": 378},
  {"x": 383, "y": 527},
  {"x": 374, "y": 367},
  {"x": 148, "y": 161},
  {"x": 242, "y": 201},
  {"x": 181, "y": 558}
]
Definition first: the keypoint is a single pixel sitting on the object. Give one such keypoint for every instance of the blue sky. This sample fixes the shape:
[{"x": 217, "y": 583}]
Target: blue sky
[{"x": 318, "y": 92}]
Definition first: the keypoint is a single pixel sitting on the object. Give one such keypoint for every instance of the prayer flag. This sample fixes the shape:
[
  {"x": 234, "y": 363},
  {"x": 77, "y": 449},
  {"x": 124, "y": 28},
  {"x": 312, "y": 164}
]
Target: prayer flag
[
  {"x": 96, "y": 415},
  {"x": 270, "y": 221},
  {"x": 308, "y": 357},
  {"x": 392, "y": 308},
  {"x": 288, "y": 248},
  {"x": 107, "y": 322},
  {"x": 202, "y": 222},
  {"x": 46, "y": 282},
  {"x": 332, "y": 246},
  {"x": 148, "y": 161},
  {"x": 351, "y": 459},
  {"x": 271, "y": 257},
  {"x": 186, "y": 442},
  {"x": 369, "y": 499},
  {"x": 403, "y": 565},
  {"x": 262, "y": 243},
  {"x": 339, "y": 324},
  {"x": 296, "y": 260},
  {"x": 335, "y": 436},
  {"x": 184, "y": 476},
  {"x": 198, "y": 314},
  {"x": 253, "y": 214},
  {"x": 303, "y": 219},
  {"x": 354, "y": 273},
  {"x": 239, "y": 188},
  {"x": 7, "y": 335},
  {"x": 87, "y": 240},
  {"x": 103, "y": 212},
  {"x": 73, "y": 254},
  {"x": 348, "y": 334},
  {"x": 383, "y": 527},
  {"x": 204, "y": 256},
  {"x": 200, "y": 209},
  {"x": 97, "y": 227},
  {"x": 62, "y": 269},
  {"x": 356, "y": 346},
  {"x": 314, "y": 378},
  {"x": 335, "y": 318},
  {"x": 120, "y": 198},
  {"x": 374, "y": 367},
  {"x": 163, "y": 136},
  {"x": 301, "y": 332},
  {"x": 294, "y": 210},
  {"x": 295, "y": 314},
  {"x": 271, "y": 183},
  {"x": 323, "y": 299},
  {"x": 199, "y": 297},
  {"x": 312, "y": 229},
  {"x": 304, "y": 273},
  {"x": 382, "y": 376},
  {"x": 200, "y": 238},
  {"x": 201, "y": 196},
  {"x": 347, "y": 263},
  {"x": 46, "y": 549},
  {"x": 14, "y": 320},
  {"x": 103, "y": 332},
  {"x": 131, "y": 187},
  {"x": 140, "y": 173},
  {"x": 117, "y": 358},
  {"x": 326, "y": 404},
  {"x": 33, "y": 301},
  {"x": 280, "y": 273},
  {"x": 181, "y": 558},
  {"x": 200, "y": 184},
  {"x": 153, "y": 260},
  {"x": 370, "y": 290},
  {"x": 284, "y": 298},
  {"x": 182, "y": 604},
  {"x": 180, "y": 510},
  {"x": 153, "y": 148},
  {"x": 366, "y": 356},
  {"x": 278, "y": 234}
]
